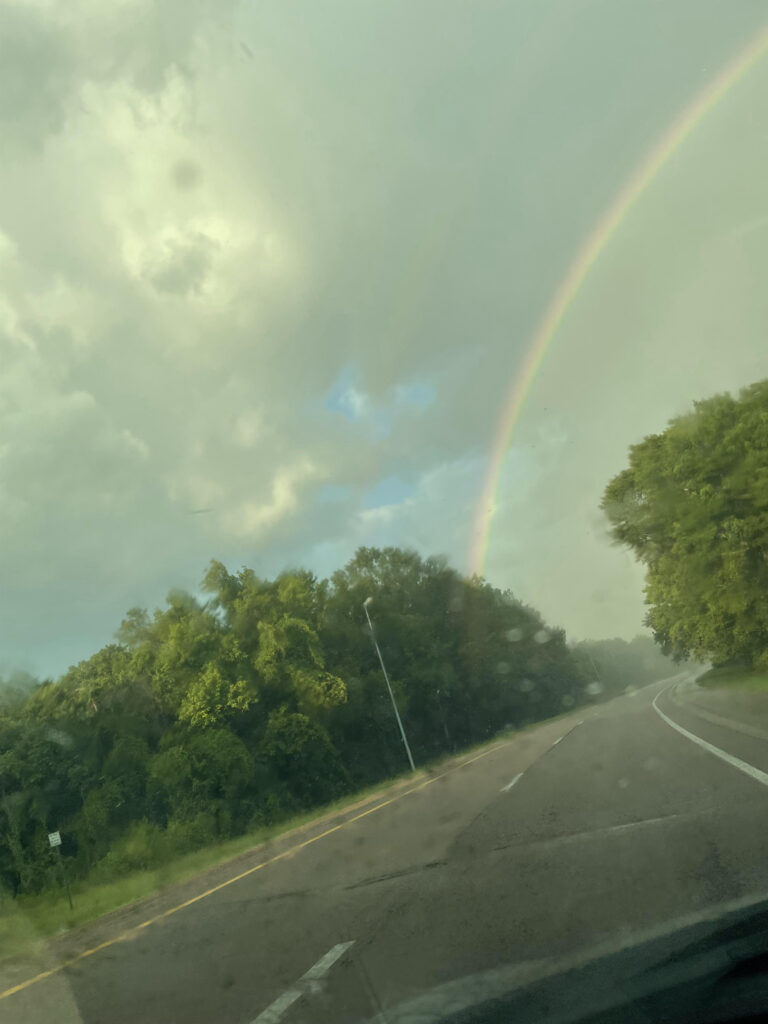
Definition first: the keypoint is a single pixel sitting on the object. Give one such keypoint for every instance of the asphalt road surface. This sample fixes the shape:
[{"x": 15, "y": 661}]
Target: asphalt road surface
[{"x": 592, "y": 829}]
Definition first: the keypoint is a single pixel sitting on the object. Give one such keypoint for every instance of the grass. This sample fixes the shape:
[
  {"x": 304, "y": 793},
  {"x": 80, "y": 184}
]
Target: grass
[
  {"x": 734, "y": 679},
  {"x": 28, "y": 920}
]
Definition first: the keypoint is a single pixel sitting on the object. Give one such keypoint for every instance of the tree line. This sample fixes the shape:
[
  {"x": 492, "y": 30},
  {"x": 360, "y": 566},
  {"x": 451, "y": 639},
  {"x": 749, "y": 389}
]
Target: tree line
[{"x": 208, "y": 718}]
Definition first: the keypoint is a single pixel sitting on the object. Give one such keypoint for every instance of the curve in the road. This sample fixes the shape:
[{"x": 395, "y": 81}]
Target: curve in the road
[{"x": 735, "y": 762}]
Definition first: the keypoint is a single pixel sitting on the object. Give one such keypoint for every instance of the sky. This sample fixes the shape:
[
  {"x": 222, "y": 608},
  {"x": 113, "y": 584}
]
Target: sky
[{"x": 269, "y": 269}]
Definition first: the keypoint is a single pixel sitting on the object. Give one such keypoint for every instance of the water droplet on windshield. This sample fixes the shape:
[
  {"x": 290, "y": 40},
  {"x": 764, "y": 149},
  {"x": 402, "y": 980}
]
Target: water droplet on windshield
[
  {"x": 525, "y": 685},
  {"x": 57, "y": 736},
  {"x": 541, "y": 636},
  {"x": 594, "y": 688},
  {"x": 186, "y": 174},
  {"x": 513, "y": 635},
  {"x": 503, "y": 668}
]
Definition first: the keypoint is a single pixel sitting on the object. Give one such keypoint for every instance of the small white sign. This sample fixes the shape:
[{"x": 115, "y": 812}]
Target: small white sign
[{"x": 54, "y": 838}]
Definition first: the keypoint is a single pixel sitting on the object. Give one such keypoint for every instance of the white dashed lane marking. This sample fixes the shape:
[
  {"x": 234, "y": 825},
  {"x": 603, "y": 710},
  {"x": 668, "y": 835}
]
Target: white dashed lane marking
[
  {"x": 308, "y": 984},
  {"x": 509, "y": 785}
]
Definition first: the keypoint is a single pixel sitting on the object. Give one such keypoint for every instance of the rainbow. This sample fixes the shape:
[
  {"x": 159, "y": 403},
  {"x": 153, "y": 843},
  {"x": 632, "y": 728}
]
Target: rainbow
[{"x": 578, "y": 271}]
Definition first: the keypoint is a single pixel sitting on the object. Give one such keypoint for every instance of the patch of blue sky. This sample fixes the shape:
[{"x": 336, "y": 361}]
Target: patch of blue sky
[
  {"x": 418, "y": 392},
  {"x": 346, "y": 397}
]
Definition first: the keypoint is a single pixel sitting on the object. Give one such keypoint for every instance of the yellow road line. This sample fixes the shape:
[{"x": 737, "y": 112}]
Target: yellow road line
[{"x": 123, "y": 936}]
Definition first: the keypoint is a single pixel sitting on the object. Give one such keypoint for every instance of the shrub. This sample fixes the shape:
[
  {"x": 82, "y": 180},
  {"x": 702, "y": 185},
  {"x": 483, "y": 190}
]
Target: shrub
[
  {"x": 184, "y": 836},
  {"x": 141, "y": 847}
]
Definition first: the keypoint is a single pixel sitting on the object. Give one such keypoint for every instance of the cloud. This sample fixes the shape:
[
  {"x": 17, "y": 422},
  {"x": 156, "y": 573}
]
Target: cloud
[
  {"x": 49, "y": 51},
  {"x": 252, "y": 266},
  {"x": 31, "y": 106},
  {"x": 252, "y": 518},
  {"x": 182, "y": 266}
]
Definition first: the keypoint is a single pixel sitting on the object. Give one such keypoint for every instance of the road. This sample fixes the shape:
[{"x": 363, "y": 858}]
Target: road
[{"x": 591, "y": 829}]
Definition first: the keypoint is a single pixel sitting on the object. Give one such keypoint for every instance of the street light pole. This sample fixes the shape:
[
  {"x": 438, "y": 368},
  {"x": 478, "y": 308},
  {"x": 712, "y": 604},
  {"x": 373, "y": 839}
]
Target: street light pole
[{"x": 366, "y": 602}]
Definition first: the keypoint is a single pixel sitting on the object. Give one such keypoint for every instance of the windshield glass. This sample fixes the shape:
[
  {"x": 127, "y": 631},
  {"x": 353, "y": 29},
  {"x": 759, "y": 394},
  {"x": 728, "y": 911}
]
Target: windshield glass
[{"x": 383, "y": 497}]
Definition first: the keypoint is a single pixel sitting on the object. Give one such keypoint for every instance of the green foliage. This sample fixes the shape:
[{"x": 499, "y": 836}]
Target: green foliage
[
  {"x": 303, "y": 758},
  {"x": 465, "y": 660},
  {"x": 211, "y": 698},
  {"x": 145, "y": 845},
  {"x": 693, "y": 506},
  {"x": 208, "y": 718}
]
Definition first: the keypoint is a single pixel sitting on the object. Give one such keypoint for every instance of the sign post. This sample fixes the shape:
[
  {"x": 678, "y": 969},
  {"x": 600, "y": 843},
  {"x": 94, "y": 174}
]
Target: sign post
[{"x": 54, "y": 841}]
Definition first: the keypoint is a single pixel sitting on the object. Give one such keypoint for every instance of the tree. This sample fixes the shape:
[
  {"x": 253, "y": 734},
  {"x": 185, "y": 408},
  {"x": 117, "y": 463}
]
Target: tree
[
  {"x": 465, "y": 659},
  {"x": 302, "y": 757},
  {"x": 693, "y": 506},
  {"x": 273, "y": 633}
]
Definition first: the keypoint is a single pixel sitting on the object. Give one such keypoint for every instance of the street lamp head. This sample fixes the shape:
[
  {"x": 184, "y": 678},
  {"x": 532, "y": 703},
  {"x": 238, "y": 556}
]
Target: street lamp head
[{"x": 367, "y": 601}]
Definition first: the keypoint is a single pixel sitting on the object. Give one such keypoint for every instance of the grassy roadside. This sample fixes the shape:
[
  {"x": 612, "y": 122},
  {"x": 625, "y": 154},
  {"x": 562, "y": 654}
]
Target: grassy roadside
[
  {"x": 734, "y": 679},
  {"x": 29, "y": 920}
]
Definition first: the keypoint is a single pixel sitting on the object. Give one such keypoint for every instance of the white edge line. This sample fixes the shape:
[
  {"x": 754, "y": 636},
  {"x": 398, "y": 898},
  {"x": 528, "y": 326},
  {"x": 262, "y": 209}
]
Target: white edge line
[
  {"x": 285, "y": 1001},
  {"x": 735, "y": 762},
  {"x": 509, "y": 785},
  {"x": 557, "y": 741}
]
